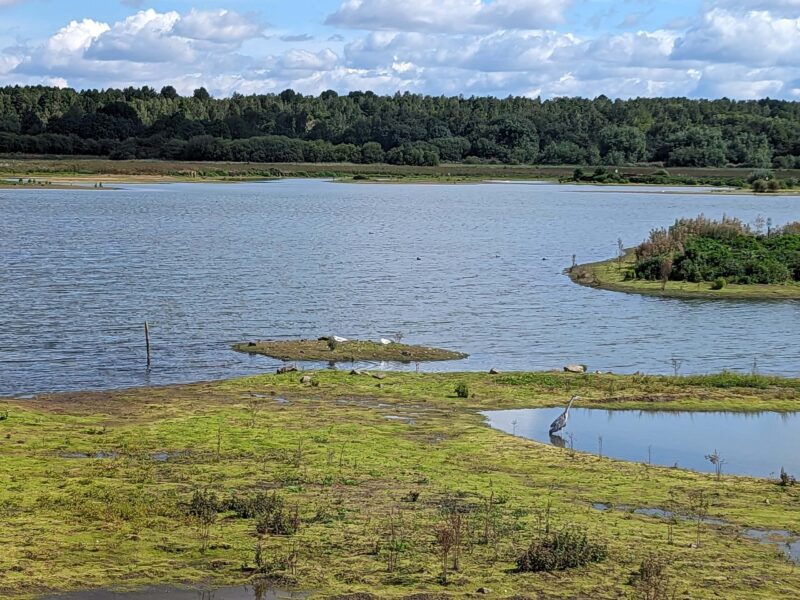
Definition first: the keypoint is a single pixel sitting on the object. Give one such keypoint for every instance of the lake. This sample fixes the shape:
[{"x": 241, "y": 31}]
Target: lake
[
  {"x": 754, "y": 444},
  {"x": 477, "y": 268}
]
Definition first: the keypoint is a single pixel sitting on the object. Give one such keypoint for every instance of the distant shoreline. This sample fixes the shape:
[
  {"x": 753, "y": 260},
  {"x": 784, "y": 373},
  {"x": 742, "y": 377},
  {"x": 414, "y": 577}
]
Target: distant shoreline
[{"x": 69, "y": 172}]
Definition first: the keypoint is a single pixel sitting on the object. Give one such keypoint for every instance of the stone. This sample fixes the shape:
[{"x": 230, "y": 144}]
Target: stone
[
  {"x": 356, "y": 372},
  {"x": 287, "y": 369},
  {"x": 494, "y": 372},
  {"x": 575, "y": 369},
  {"x": 484, "y": 590},
  {"x": 306, "y": 379},
  {"x": 379, "y": 375},
  {"x": 251, "y": 344}
]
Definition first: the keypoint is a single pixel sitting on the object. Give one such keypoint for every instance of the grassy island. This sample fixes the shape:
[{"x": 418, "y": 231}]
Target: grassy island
[
  {"x": 329, "y": 350},
  {"x": 705, "y": 258},
  {"x": 354, "y": 486}
]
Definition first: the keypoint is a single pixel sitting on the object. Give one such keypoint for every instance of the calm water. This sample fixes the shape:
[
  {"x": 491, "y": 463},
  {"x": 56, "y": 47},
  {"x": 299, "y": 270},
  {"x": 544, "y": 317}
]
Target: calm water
[
  {"x": 756, "y": 444},
  {"x": 209, "y": 265}
]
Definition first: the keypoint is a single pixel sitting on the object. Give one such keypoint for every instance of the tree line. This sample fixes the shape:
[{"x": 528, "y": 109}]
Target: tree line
[{"x": 409, "y": 129}]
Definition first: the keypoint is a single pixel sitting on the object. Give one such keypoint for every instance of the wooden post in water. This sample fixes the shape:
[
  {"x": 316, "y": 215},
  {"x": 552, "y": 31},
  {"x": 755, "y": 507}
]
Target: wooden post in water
[{"x": 147, "y": 341}]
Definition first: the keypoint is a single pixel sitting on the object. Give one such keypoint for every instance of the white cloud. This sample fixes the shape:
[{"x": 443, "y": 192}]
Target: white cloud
[
  {"x": 497, "y": 47},
  {"x": 303, "y": 60},
  {"x": 76, "y": 36},
  {"x": 754, "y": 38},
  {"x": 777, "y": 7},
  {"x": 144, "y": 47},
  {"x": 219, "y": 26},
  {"x": 146, "y": 36},
  {"x": 447, "y": 15}
]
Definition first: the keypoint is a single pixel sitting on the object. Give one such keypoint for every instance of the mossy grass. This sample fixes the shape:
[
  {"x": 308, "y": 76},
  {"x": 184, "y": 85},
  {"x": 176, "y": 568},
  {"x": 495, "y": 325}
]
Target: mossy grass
[
  {"x": 370, "y": 491},
  {"x": 349, "y": 351},
  {"x": 613, "y": 275}
]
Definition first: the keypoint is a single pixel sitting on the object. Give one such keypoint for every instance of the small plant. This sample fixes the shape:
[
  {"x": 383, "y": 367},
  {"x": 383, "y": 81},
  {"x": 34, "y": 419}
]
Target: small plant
[
  {"x": 279, "y": 521},
  {"x": 698, "y": 509},
  {"x": 250, "y": 507},
  {"x": 203, "y": 509},
  {"x": 786, "y": 480},
  {"x": 716, "y": 460},
  {"x": 202, "y": 504},
  {"x": 332, "y": 344},
  {"x": 411, "y": 496},
  {"x": 652, "y": 581},
  {"x": 4, "y": 415},
  {"x": 254, "y": 406},
  {"x": 719, "y": 283},
  {"x": 560, "y": 550},
  {"x": 677, "y": 363},
  {"x": 445, "y": 540},
  {"x": 462, "y": 390}
]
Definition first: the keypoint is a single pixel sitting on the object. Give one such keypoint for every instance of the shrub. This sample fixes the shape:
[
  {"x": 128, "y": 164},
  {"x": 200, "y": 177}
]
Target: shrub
[
  {"x": 651, "y": 581},
  {"x": 719, "y": 283},
  {"x": 332, "y": 344},
  {"x": 279, "y": 521},
  {"x": 203, "y": 505},
  {"x": 786, "y": 480},
  {"x": 706, "y": 250},
  {"x": 250, "y": 507},
  {"x": 462, "y": 390},
  {"x": 560, "y": 550}
]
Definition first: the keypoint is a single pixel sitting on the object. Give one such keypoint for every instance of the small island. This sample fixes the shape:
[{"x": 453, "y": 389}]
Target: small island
[
  {"x": 704, "y": 258},
  {"x": 328, "y": 349}
]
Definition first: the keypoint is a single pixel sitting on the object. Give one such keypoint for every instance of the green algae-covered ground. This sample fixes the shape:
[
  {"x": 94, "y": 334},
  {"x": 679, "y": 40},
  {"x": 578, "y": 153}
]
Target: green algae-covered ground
[
  {"x": 349, "y": 351},
  {"x": 368, "y": 487}
]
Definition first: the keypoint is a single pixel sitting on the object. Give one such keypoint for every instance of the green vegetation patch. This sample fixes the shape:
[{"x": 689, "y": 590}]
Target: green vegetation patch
[
  {"x": 705, "y": 258},
  {"x": 394, "y": 488},
  {"x": 329, "y": 350},
  {"x": 702, "y": 249}
]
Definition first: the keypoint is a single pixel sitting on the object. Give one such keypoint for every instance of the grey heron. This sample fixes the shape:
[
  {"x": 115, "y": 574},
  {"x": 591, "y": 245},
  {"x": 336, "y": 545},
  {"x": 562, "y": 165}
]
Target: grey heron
[{"x": 561, "y": 421}]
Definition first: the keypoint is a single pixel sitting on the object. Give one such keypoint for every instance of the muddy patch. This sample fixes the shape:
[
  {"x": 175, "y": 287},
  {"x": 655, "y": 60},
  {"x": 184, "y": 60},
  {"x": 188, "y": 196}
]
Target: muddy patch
[
  {"x": 787, "y": 542},
  {"x": 243, "y": 592}
]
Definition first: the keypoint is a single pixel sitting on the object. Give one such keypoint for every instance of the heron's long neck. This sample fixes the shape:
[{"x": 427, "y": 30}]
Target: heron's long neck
[{"x": 571, "y": 400}]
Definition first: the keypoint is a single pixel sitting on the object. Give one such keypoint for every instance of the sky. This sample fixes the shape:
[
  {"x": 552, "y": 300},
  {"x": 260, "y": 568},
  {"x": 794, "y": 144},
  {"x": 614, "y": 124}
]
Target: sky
[{"x": 738, "y": 49}]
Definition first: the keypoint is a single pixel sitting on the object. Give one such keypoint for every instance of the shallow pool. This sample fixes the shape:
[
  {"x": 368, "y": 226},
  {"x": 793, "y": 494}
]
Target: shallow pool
[{"x": 754, "y": 444}]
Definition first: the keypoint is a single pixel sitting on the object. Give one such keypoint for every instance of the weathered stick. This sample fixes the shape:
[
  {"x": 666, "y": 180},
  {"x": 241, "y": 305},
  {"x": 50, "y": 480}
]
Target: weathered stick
[{"x": 147, "y": 341}]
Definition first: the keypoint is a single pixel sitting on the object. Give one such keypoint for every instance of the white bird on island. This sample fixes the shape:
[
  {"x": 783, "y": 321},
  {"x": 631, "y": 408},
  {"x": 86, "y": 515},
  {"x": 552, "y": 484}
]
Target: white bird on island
[
  {"x": 561, "y": 421},
  {"x": 385, "y": 342},
  {"x": 339, "y": 339}
]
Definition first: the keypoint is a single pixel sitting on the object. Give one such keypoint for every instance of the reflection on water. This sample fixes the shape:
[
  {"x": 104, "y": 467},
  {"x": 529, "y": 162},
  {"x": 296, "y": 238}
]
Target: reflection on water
[
  {"x": 754, "y": 444},
  {"x": 211, "y": 265},
  {"x": 251, "y": 591}
]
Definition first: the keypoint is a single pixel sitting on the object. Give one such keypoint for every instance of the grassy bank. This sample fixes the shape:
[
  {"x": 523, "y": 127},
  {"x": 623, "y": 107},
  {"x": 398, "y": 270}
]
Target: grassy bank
[
  {"x": 610, "y": 275},
  {"x": 365, "y": 474},
  {"x": 70, "y": 169},
  {"x": 349, "y": 351}
]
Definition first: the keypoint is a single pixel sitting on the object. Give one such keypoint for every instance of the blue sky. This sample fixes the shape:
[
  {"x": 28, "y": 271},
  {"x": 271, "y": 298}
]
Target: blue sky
[{"x": 622, "y": 48}]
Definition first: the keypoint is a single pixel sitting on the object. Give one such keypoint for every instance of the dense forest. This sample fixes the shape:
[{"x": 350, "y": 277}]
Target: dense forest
[{"x": 411, "y": 129}]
